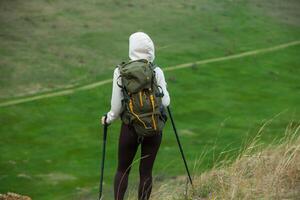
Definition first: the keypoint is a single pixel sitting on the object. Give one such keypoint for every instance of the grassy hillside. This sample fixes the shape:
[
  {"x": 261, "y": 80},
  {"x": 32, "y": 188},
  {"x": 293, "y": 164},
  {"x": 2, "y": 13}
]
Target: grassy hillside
[
  {"x": 51, "y": 148},
  {"x": 53, "y": 145},
  {"x": 52, "y": 44}
]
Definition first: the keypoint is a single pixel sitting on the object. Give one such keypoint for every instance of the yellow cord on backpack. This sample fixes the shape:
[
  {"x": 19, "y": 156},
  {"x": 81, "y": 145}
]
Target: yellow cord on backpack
[
  {"x": 153, "y": 109},
  {"x": 141, "y": 99},
  {"x": 131, "y": 110}
]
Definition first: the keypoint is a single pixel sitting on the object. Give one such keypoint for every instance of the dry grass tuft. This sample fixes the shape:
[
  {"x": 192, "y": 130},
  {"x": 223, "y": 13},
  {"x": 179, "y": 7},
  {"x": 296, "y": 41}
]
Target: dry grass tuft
[
  {"x": 271, "y": 172},
  {"x": 13, "y": 196}
]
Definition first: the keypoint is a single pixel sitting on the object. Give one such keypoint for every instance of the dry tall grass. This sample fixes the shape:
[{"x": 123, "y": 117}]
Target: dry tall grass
[{"x": 259, "y": 172}]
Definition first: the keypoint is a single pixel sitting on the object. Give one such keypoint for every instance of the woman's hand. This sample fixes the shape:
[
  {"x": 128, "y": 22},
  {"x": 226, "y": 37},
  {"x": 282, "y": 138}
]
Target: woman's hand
[{"x": 104, "y": 120}]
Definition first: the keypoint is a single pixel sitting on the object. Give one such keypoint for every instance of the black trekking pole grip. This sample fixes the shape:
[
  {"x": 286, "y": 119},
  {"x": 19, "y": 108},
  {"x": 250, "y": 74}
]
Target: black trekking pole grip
[
  {"x": 105, "y": 128},
  {"x": 103, "y": 156},
  {"x": 179, "y": 144}
]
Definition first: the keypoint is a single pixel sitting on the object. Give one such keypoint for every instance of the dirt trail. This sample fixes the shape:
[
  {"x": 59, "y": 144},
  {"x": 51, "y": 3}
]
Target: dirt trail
[{"x": 181, "y": 66}]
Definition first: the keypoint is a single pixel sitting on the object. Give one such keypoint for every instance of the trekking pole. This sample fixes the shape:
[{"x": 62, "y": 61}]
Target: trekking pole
[
  {"x": 103, "y": 156},
  {"x": 180, "y": 147}
]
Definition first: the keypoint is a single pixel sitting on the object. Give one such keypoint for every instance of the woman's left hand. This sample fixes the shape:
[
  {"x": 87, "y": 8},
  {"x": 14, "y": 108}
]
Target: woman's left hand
[{"x": 103, "y": 122}]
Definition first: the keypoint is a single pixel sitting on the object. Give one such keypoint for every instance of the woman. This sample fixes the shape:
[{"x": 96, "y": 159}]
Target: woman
[{"x": 140, "y": 47}]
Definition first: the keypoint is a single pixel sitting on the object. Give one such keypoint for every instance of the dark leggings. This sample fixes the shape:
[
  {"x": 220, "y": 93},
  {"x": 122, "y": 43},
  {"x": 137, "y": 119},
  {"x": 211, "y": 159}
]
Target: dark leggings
[{"x": 128, "y": 145}]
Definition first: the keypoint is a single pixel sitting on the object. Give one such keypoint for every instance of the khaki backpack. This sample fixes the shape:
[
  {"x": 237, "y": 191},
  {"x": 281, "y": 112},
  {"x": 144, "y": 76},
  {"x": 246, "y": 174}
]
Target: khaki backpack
[{"x": 142, "y": 103}]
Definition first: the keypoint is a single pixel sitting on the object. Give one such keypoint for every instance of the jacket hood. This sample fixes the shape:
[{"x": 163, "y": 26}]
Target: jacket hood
[{"x": 141, "y": 47}]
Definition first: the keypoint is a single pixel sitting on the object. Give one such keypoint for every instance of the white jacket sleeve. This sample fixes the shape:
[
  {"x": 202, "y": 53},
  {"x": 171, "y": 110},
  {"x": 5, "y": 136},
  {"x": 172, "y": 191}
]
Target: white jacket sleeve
[
  {"x": 160, "y": 79},
  {"x": 116, "y": 98}
]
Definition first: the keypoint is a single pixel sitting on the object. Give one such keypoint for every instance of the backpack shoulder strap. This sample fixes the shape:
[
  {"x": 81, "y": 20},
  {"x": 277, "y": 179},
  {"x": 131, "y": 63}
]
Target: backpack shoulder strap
[
  {"x": 123, "y": 89},
  {"x": 119, "y": 66},
  {"x": 153, "y": 65},
  {"x": 160, "y": 93}
]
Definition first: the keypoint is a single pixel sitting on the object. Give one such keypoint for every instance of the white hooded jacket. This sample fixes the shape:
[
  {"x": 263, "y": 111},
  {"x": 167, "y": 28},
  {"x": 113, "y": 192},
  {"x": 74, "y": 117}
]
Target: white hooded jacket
[{"x": 140, "y": 47}]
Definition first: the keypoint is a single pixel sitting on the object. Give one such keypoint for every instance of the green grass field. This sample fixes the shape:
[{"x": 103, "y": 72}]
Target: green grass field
[{"x": 51, "y": 148}]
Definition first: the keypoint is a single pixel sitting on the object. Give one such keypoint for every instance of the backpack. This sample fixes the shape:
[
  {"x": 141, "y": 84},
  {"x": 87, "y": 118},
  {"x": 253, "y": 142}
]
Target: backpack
[{"x": 142, "y": 103}]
